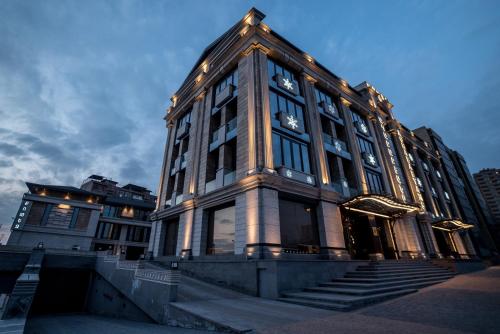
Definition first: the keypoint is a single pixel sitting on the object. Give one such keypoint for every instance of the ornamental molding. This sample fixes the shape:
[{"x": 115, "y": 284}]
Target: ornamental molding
[{"x": 256, "y": 46}]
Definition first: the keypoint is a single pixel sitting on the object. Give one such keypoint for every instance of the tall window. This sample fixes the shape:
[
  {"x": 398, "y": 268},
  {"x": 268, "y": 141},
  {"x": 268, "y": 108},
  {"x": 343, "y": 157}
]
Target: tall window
[
  {"x": 365, "y": 146},
  {"x": 221, "y": 230},
  {"x": 328, "y": 100},
  {"x": 274, "y": 68},
  {"x": 374, "y": 182},
  {"x": 230, "y": 79},
  {"x": 290, "y": 153},
  {"x": 280, "y": 103},
  {"x": 186, "y": 118}
]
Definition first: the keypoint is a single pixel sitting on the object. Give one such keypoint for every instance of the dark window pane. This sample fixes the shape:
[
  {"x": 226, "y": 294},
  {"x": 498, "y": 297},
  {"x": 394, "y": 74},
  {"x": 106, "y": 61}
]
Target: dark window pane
[{"x": 277, "y": 150}]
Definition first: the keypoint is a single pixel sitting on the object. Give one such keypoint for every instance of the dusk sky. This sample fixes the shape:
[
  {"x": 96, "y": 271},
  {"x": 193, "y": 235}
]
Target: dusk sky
[{"x": 84, "y": 84}]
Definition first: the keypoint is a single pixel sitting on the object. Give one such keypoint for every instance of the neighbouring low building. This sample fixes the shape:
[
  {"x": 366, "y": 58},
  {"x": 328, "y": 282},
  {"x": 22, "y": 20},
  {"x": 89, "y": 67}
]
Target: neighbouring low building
[
  {"x": 269, "y": 155},
  {"x": 98, "y": 216}
]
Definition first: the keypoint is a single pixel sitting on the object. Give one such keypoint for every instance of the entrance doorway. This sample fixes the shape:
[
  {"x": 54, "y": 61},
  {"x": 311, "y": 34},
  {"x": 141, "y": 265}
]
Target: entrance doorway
[
  {"x": 359, "y": 236},
  {"x": 365, "y": 236},
  {"x": 387, "y": 238},
  {"x": 170, "y": 245},
  {"x": 445, "y": 243}
]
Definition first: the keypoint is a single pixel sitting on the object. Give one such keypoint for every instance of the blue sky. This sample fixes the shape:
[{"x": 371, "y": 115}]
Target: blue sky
[{"x": 84, "y": 84}]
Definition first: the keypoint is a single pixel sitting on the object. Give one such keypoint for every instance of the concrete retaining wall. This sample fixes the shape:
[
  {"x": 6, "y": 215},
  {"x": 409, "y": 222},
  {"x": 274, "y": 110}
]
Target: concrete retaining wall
[{"x": 267, "y": 278}]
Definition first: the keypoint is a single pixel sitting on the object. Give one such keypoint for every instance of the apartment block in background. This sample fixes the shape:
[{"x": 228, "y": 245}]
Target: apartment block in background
[{"x": 98, "y": 216}]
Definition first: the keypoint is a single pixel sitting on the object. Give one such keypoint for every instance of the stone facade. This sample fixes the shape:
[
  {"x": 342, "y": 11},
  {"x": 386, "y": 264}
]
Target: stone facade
[{"x": 280, "y": 145}]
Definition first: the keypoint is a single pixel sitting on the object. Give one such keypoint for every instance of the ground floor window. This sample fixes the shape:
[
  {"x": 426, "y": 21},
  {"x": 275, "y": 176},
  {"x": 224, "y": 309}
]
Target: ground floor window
[
  {"x": 221, "y": 230},
  {"x": 170, "y": 241},
  {"x": 298, "y": 226}
]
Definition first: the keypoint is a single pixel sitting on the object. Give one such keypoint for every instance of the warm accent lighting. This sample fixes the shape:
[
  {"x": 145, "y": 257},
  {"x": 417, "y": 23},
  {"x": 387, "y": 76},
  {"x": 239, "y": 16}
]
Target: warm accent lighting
[
  {"x": 309, "y": 58},
  {"x": 451, "y": 225},
  {"x": 204, "y": 67},
  {"x": 66, "y": 197},
  {"x": 64, "y": 206},
  {"x": 379, "y": 205}
]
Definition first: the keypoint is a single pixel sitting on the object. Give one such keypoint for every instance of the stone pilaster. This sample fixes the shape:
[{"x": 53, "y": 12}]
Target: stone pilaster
[{"x": 331, "y": 232}]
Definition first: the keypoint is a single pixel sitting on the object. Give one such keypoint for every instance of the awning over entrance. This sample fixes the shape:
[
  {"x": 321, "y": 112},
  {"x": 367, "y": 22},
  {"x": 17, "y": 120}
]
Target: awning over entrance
[
  {"x": 451, "y": 225},
  {"x": 379, "y": 205}
]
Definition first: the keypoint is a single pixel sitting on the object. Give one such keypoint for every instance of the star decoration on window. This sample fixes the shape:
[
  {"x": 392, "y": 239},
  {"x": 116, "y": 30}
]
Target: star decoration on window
[
  {"x": 338, "y": 147},
  {"x": 363, "y": 128},
  {"x": 446, "y": 195},
  {"x": 292, "y": 122},
  {"x": 288, "y": 84},
  {"x": 438, "y": 174},
  {"x": 288, "y": 173},
  {"x": 371, "y": 159},
  {"x": 331, "y": 109},
  {"x": 344, "y": 184},
  {"x": 309, "y": 179}
]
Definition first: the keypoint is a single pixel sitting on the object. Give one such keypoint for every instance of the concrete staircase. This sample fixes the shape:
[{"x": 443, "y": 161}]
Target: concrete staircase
[{"x": 370, "y": 284}]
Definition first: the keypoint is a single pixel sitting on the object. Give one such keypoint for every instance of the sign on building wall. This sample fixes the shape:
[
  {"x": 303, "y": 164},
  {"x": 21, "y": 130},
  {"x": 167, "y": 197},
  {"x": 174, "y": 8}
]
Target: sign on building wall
[{"x": 22, "y": 215}]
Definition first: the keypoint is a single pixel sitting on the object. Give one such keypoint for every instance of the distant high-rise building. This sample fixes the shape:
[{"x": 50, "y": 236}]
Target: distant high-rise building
[
  {"x": 488, "y": 181},
  {"x": 470, "y": 204}
]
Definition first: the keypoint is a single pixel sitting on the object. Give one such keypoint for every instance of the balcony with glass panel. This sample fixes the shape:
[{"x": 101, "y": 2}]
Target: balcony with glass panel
[
  {"x": 231, "y": 128},
  {"x": 229, "y": 177},
  {"x": 336, "y": 146},
  {"x": 211, "y": 186},
  {"x": 214, "y": 140}
]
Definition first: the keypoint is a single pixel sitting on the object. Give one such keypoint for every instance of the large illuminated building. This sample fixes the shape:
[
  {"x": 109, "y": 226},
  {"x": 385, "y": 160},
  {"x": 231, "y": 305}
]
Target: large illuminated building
[{"x": 269, "y": 155}]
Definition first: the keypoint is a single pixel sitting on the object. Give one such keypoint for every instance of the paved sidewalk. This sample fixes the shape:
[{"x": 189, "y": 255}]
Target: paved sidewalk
[
  {"x": 465, "y": 304},
  {"x": 88, "y": 324}
]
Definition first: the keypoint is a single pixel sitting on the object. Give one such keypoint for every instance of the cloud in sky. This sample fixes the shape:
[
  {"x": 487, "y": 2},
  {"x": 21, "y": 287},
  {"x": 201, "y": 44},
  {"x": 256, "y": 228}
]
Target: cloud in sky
[{"x": 84, "y": 85}]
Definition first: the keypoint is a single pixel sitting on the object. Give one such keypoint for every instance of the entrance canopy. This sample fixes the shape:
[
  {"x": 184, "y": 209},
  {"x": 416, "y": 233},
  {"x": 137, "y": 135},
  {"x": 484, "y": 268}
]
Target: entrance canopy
[
  {"x": 379, "y": 205},
  {"x": 451, "y": 225}
]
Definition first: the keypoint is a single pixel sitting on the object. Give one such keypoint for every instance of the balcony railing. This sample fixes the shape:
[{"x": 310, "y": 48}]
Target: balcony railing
[
  {"x": 337, "y": 143},
  {"x": 211, "y": 186},
  {"x": 231, "y": 129},
  {"x": 179, "y": 199},
  {"x": 229, "y": 177},
  {"x": 183, "y": 161}
]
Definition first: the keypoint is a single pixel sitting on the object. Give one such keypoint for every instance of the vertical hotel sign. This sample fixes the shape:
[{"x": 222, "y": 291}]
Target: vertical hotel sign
[
  {"x": 393, "y": 160},
  {"x": 22, "y": 215},
  {"x": 413, "y": 176}
]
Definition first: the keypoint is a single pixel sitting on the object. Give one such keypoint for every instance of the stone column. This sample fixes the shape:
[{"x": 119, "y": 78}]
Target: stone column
[
  {"x": 313, "y": 119},
  {"x": 262, "y": 220},
  {"x": 184, "y": 235},
  {"x": 194, "y": 151},
  {"x": 331, "y": 231},
  {"x": 159, "y": 238},
  {"x": 166, "y": 166}
]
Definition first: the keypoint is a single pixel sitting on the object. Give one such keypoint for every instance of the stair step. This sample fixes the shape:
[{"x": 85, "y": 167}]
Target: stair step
[
  {"x": 317, "y": 304},
  {"x": 370, "y": 285},
  {"x": 369, "y": 272},
  {"x": 353, "y": 301},
  {"x": 385, "y": 279},
  {"x": 371, "y": 269},
  {"x": 373, "y": 290},
  {"x": 388, "y": 275}
]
